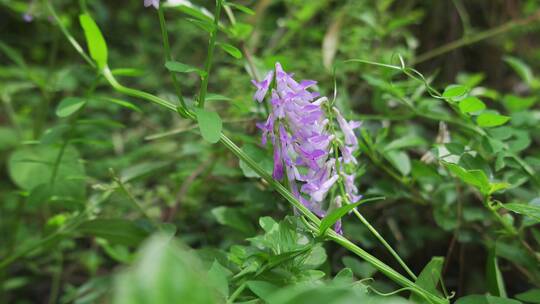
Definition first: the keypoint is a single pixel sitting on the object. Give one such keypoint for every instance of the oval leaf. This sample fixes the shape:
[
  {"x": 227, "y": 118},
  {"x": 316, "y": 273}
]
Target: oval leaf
[
  {"x": 491, "y": 120},
  {"x": 471, "y": 104},
  {"x": 178, "y": 67},
  {"x": 117, "y": 231},
  {"x": 231, "y": 50},
  {"x": 210, "y": 125},
  {"x": 528, "y": 210},
  {"x": 96, "y": 43},
  {"x": 455, "y": 92},
  {"x": 69, "y": 105}
]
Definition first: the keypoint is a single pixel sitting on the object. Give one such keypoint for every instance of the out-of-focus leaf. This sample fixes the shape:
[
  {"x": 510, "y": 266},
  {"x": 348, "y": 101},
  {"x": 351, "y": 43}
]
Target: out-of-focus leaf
[
  {"x": 530, "y": 296},
  {"x": 231, "y": 50},
  {"x": 494, "y": 276},
  {"x": 241, "y": 8},
  {"x": 517, "y": 103},
  {"x": 491, "y": 120},
  {"x": 522, "y": 69},
  {"x": 485, "y": 299},
  {"x": 528, "y": 210},
  {"x": 210, "y": 125},
  {"x": 69, "y": 105},
  {"x": 164, "y": 273},
  {"x": 233, "y": 218},
  {"x": 471, "y": 104},
  {"x": 476, "y": 178},
  {"x": 331, "y": 42},
  {"x": 400, "y": 160},
  {"x": 178, "y": 67},
  {"x": 262, "y": 289},
  {"x": 116, "y": 231},
  {"x": 32, "y": 166}
]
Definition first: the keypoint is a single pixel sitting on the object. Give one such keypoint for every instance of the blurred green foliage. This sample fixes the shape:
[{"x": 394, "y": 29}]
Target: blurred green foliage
[{"x": 102, "y": 194}]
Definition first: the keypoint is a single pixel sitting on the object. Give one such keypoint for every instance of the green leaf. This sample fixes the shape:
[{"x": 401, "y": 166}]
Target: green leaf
[
  {"x": 476, "y": 178},
  {"x": 69, "y": 105},
  {"x": 429, "y": 278},
  {"x": 178, "y": 67},
  {"x": 241, "y": 8},
  {"x": 471, "y": 104},
  {"x": 232, "y": 217},
  {"x": 123, "y": 103},
  {"x": 94, "y": 39},
  {"x": 164, "y": 272},
  {"x": 522, "y": 69},
  {"x": 116, "y": 231},
  {"x": 530, "y": 296},
  {"x": 260, "y": 156},
  {"x": 361, "y": 269},
  {"x": 494, "y": 187},
  {"x": 210, "y": 124},
  {"x": 128, "y": 72},
  {"x": 262, "y": 289},
  {"x": 32, "y": 166},
  {"x": 517, "y": 103},
  {"x": 455, "y": 92},
  {"x": 491, "y": 120},
  {"x": 230, "y": 49},
  {"x": 400, "y": 160},
  {"x": 218, "y": 277},
  {"x": 405, "y": 142},
  {"x": 330, "y": 219},
  {"x": 494, "y": 276},
  {"x": 528, "y": 210},
  {"x": 485, "y": 299}
]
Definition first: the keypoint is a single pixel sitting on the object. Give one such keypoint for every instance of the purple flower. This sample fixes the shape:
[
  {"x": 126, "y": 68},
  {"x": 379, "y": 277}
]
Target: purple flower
[
  {"x": 262, "y": 86},
  {"x": 154, "y": 3},
  {"x": 347, "y": 128},
  {"x": 27, "y": 17},
  {"x": 303, "y": 144}
]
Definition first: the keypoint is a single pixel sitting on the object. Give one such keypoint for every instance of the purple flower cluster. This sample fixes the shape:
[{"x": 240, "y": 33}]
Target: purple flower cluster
[{"x": 304, "y": 146}]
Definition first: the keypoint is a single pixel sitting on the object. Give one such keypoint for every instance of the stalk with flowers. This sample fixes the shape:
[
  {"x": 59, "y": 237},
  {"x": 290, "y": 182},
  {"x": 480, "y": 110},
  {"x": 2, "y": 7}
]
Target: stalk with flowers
[{"x": 314, "y": 146}]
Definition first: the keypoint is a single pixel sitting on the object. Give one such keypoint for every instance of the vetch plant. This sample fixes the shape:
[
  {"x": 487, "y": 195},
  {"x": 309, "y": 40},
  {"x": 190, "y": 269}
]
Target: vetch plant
[
  {"x": 285, "y": 85},
  {"x": 88, "y": 184}
]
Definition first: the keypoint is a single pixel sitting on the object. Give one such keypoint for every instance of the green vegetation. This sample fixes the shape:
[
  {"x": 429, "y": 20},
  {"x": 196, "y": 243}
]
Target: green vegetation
[{"x": 133, "y": 171}]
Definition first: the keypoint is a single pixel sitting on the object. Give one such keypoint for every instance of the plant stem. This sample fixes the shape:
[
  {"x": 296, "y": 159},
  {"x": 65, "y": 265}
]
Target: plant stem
[
  {"x": 70, "y": 38},
  {"x": 385, "y": 243},
  {"x": 132, "y": 199},
  {"x": 210, "y": 56},
  {"x": 476, "y": 37},
  {"x": 236, "y": 293},
  {"x": 168, "y": 57}
]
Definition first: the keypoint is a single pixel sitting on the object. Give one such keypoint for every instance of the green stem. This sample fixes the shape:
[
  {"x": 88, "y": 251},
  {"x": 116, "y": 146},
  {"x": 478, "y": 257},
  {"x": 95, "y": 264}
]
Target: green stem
[
  {"x": 385, "y": 243},
  {"x": 476, "y": 37},
  {"x": 56, "y": 280},
  {"x": 236, "y": 293},
  {"x": 168, "y": 57},
  {"x": 345, "y": 197},
  {"x": 70, "y": 38},
  {"x": 210, "y": 56}
]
